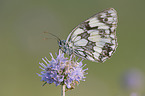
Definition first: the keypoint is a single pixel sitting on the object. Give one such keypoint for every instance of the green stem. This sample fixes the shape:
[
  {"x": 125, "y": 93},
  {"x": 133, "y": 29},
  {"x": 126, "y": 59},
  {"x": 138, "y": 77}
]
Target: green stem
[{"x": 62, "y": 90}]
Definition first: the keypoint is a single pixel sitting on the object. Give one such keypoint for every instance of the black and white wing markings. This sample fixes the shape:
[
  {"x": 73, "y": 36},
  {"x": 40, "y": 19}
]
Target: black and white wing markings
[{"x": 94, "y": 39}]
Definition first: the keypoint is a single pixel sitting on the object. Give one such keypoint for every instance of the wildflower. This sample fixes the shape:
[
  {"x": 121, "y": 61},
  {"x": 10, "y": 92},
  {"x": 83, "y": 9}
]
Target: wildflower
[
  {"x": 133, "y": 80},
  {"x": 62, "y": 71}
]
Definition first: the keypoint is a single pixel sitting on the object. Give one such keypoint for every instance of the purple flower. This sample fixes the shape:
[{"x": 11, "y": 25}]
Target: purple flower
[
  {"x": 133, "y": 80},
  {"x": 62, "y": 71}
]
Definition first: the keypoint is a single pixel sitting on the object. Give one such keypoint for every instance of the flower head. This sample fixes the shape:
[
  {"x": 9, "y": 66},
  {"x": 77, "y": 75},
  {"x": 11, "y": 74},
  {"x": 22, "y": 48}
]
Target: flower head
[
  {"x": 133, "y": 80},
  {"x": 62, "y": 71}
]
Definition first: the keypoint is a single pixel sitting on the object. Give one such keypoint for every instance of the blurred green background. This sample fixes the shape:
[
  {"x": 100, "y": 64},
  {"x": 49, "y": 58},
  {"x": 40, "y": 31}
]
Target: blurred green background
[{"x": 22, "y": 23}]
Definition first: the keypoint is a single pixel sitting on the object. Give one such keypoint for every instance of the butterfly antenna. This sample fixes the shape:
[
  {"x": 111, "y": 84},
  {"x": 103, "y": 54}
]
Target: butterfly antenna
[{"x": 52, "y": 35}]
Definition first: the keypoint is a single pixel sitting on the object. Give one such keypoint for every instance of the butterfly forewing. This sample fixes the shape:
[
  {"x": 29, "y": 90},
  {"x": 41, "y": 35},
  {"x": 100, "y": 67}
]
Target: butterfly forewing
[{"x": 95, "y": 39}]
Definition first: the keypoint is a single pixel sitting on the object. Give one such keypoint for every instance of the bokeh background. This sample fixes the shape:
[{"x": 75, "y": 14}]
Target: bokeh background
[{"x": 22, "y": 23}]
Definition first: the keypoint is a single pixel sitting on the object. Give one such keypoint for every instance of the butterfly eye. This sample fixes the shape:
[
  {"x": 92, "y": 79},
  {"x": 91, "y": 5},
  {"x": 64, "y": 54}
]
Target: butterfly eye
[{"x": 60, "y": 43}]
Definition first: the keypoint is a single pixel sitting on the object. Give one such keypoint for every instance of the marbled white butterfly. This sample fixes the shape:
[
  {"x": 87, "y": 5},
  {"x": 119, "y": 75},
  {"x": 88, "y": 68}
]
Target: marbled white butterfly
[{"x": 94, "y": 39}]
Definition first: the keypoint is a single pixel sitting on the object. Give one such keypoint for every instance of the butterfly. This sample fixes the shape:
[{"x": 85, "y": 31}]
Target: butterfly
[{"x": 95, "y": 38}]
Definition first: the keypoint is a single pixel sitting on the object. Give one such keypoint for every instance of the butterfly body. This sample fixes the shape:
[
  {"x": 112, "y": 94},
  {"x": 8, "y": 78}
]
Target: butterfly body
[
  {"x": 65, "y": 47},
  {"x": 94, "y": 39}
]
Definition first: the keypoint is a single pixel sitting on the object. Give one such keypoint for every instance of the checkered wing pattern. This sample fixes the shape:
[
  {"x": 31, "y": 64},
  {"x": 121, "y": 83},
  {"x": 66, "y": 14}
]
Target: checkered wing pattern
[{"x": 95, "y": 39}]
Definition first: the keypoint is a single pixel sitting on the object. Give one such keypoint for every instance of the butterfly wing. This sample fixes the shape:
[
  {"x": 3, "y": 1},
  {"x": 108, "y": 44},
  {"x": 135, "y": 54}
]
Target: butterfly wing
[{"x": 95, "y": 39}]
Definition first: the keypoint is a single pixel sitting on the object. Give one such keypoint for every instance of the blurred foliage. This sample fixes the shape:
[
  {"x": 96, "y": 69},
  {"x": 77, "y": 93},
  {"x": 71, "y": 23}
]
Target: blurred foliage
[{"x": 22, "y": 23}]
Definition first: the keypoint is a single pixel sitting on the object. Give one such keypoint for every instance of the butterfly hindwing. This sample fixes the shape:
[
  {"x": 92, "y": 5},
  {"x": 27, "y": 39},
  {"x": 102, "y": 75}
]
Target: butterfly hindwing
[{"x": 95, "y": 39}]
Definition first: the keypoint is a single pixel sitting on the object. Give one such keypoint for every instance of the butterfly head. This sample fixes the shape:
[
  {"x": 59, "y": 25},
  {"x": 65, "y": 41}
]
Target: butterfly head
[{"x": 64, "y": 47}]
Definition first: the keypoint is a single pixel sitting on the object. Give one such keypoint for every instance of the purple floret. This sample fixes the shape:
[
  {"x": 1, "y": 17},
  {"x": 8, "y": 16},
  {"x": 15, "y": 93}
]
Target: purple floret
[{"x": 62, "y": 71}]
